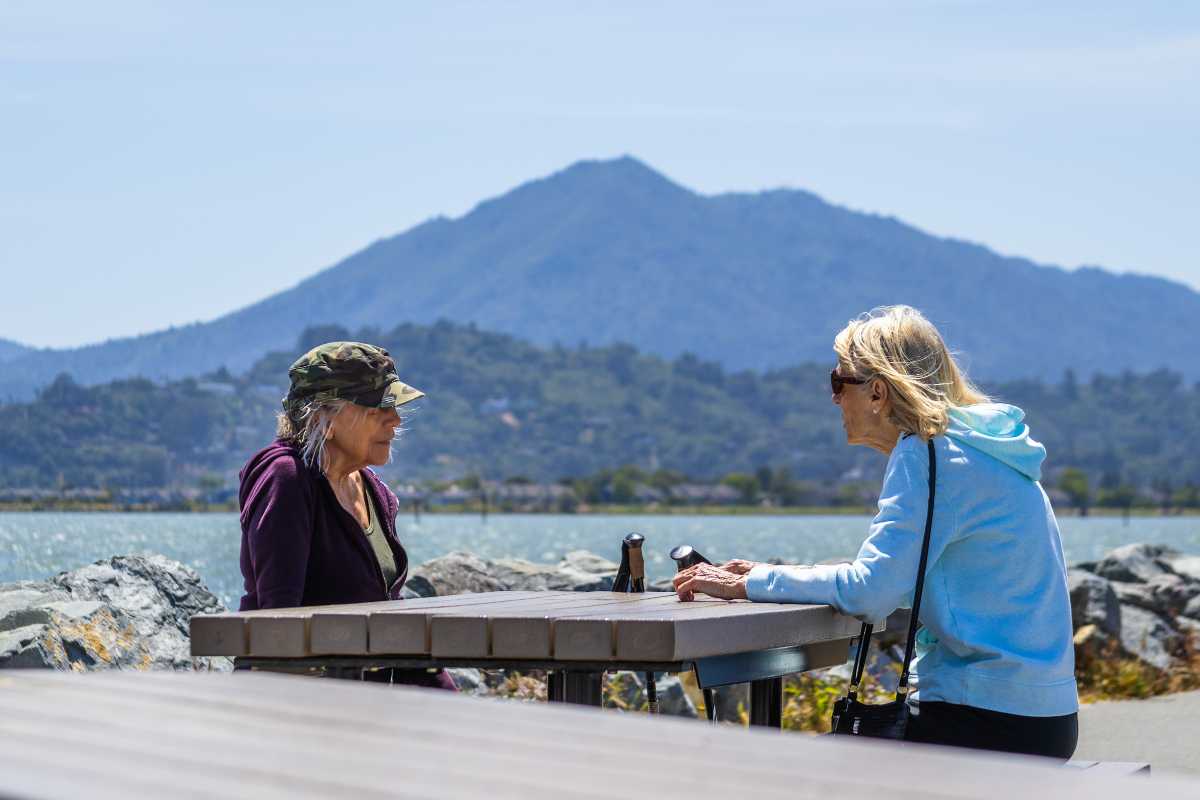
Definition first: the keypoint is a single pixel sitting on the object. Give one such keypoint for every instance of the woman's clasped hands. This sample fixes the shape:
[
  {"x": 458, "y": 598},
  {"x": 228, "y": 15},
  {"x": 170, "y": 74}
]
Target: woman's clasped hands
[{"x": 727, "y": 581}]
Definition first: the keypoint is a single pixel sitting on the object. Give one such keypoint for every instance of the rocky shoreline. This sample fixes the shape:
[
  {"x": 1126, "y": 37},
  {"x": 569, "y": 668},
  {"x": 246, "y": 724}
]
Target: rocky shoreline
[
  {"x": 1140, "y": 603},
  {"x": 125, "y": 612}
]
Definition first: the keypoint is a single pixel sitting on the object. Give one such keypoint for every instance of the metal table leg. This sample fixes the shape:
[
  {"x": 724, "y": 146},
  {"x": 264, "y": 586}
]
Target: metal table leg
[
  {"x": 766, "y": 702},
  {"x": 554, "y": 686},
  {"x": 583, "y": 688}
]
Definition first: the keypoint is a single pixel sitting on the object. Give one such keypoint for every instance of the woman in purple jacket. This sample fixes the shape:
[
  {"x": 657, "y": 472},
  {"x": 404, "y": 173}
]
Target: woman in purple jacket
[{"x": 318, "y": 527}]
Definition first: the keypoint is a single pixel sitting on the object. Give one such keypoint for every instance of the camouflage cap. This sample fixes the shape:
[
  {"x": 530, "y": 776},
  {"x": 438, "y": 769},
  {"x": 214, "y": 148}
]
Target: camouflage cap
[{"x": 361, "y": 373}]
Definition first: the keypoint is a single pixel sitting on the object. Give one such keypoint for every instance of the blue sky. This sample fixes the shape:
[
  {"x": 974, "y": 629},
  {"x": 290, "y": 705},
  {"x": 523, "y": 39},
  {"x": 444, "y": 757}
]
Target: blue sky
[{"x": 164, "y": 164}]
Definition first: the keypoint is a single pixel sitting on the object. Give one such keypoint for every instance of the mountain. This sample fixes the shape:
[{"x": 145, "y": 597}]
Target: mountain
[
  {"x": 10, "y": 350},
  {"x": 608, "y": 251}
]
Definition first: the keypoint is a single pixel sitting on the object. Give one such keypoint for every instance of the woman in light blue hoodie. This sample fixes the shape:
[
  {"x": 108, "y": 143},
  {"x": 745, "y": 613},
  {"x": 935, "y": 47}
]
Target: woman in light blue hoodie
[{"x": 995, "y": 663}]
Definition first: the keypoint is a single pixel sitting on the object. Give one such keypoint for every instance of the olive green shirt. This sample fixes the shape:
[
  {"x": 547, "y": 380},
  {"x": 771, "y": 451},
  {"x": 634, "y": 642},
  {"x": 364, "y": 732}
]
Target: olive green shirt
[{"x": 379, "y": 543}]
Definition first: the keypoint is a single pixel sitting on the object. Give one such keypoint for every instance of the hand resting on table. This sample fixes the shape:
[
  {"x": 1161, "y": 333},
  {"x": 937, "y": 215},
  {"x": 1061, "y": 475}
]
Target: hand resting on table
[{"x": 712, "y": 580}]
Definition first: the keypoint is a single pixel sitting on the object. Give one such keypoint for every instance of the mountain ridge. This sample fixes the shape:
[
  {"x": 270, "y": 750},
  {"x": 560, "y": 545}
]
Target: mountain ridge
[
  {"x": 10, "y": 349},
  {"x": 611, "y": 250}
]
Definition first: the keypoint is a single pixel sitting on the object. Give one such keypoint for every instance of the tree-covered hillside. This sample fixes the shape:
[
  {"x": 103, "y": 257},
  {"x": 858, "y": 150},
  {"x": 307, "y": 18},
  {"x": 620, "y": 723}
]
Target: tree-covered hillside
[{"x": 499, "y": 407}]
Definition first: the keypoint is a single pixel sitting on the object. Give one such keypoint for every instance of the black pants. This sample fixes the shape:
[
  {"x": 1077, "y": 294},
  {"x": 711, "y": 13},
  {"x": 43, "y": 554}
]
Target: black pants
[{"x": 935, "y": 722}]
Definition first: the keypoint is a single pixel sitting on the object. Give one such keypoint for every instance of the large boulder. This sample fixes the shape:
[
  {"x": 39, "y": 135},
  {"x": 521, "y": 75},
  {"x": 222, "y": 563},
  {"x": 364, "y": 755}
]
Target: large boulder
[
  {"x": 1186, "y": 567},
  {"x": 1172, "y": 593},
  {"x": 461, "y": 572},
  {"x": 627, "y": 691},
  {"x": 1136, "y": 594},
  {"x": 127, "y": 612},
  {"x": 579, "y": 571},
  {"x": 456, "y": 573},
  {"x": 895, "y": 630},
  {"x": 1091, "y": 645},
  {"x": 1093, "y": 602},
  {"x": 1148, "y": 637},
  {"x": 1189, "y": 629},
  {"x": 1192, "y": 609},
  {"x": 1136, "y": 563}
]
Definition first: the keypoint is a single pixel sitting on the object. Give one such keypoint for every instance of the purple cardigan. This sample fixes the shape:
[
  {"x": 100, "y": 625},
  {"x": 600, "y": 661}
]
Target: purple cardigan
[{"x": 299, "y": 546}]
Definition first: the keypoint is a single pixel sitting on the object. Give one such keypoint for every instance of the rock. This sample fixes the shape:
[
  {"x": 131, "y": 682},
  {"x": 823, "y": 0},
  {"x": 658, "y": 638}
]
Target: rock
[
  {"x": 1148, "y": 637},
  {"x": 1190, "y": 630},
  {"x": 1192, "y": 609},
  {"x": 460, "y": 572},
  {"x": 589, "y": 562},
  {"x": 469, "y": 681},
  {"x": 732, "y": 701},
  {"x": 519, "y": 574},
  {"x": 1186, "y": 567},
  {"x": 457, "y": 573},
  {"x": 1135, "y": 594},
  {"x": 895, "y": 630},
  {"x": 417, "y": 586},
  {"x": 1093, "y": 602},
  {"x": 1092, "y": 644},
  {"x": 624, "y": 690},
  {"x": 627, "y": 691},
  {"x": 1172, "y": 592},
  {"x": 673, "y": 700},
  {"x": 124, "y": 612},
  {"x": 1135, "y": 563},
  {"x": 1166, "y": 594}
]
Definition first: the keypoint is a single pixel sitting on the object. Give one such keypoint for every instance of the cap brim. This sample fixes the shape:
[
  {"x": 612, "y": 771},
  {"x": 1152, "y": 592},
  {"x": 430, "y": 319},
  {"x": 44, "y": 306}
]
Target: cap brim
[{"x": 398, "y": 393}]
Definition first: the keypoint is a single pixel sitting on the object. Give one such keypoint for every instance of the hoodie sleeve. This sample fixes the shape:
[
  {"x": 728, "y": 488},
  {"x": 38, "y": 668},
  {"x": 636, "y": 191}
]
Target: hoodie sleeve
[
  {"x": 278, "y": 521},
  {"x": 882, "y": 576}
]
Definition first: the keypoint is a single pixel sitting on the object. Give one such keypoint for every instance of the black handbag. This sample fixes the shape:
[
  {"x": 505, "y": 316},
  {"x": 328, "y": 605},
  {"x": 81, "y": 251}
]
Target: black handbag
[{"x": 887, "y": 720}]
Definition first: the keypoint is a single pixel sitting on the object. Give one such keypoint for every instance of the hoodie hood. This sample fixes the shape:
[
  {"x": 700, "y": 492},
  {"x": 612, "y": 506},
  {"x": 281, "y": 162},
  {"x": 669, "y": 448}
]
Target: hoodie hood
[
  {"x": 262, "y": 462},
  {"x": 997, "y": 430}
]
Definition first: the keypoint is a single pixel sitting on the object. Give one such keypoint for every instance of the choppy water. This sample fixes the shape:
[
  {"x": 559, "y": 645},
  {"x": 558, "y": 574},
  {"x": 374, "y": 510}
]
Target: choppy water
[{"x": 34, "y": 546}]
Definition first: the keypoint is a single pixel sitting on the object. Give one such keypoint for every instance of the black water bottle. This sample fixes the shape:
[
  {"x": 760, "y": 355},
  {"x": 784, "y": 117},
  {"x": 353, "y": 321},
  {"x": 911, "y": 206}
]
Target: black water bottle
[
  {"x": 686, "y": 556},
  {"x": 631, "y": 575}
]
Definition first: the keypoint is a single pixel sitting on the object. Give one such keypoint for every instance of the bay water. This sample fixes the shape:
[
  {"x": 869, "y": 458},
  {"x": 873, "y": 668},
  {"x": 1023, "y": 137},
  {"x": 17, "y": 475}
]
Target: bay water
[{"x": 36, "y": 545}]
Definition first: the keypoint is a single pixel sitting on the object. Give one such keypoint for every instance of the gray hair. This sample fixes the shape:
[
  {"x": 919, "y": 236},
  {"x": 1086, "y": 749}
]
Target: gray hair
[{"x": 308, "y": 428}]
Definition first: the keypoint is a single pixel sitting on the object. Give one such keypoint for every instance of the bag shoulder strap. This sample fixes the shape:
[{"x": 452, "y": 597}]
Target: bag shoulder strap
[
  {"x": 860, "y": 659},
  {"x": 902, "y": 687}
]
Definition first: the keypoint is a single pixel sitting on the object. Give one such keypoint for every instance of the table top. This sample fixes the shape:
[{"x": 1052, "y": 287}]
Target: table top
[
  {"x": 254, "y": 735},
  {"x": 552, "y": 625}
]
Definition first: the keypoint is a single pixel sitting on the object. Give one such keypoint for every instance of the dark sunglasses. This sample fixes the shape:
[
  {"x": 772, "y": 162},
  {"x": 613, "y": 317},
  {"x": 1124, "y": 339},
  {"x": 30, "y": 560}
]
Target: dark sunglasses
[{"x": 838, "y": 382}]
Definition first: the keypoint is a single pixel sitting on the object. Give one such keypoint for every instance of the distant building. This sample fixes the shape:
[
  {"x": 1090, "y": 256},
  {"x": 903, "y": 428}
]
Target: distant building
[{"x": 705, "y": 494}]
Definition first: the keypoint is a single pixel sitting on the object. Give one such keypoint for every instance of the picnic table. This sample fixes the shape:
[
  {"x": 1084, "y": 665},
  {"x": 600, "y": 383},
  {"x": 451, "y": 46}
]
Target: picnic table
[
  {"x": 574, "y": 636},
  {"x": 122, "y": 734}
]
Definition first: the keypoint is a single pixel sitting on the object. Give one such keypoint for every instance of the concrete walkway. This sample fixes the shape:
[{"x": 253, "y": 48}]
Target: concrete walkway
[{"x": 1164, "y": 731}]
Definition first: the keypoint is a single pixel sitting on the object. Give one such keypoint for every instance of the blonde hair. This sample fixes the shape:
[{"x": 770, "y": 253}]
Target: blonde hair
[{"x": 898, "y": 345}]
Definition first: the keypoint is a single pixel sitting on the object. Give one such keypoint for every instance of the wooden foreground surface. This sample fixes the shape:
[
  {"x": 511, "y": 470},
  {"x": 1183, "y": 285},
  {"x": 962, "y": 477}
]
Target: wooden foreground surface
[
  {"x": 254, "y": 735},
  {"x": 567, "y": 626}
]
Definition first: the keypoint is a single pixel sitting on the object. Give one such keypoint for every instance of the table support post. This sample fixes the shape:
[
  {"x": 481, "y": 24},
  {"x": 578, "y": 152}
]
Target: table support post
[
  {"x": 766, "y": 702},
  {"x": 583, "y": 688},
  {"x": 345, "y": 673},
  {"x": 554, "y": 686}
]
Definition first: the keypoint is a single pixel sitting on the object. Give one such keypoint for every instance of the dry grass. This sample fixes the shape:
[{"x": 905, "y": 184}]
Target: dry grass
[
  {"x": 1109, "y": 676},
  {"x": 808, "y": 698}
]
